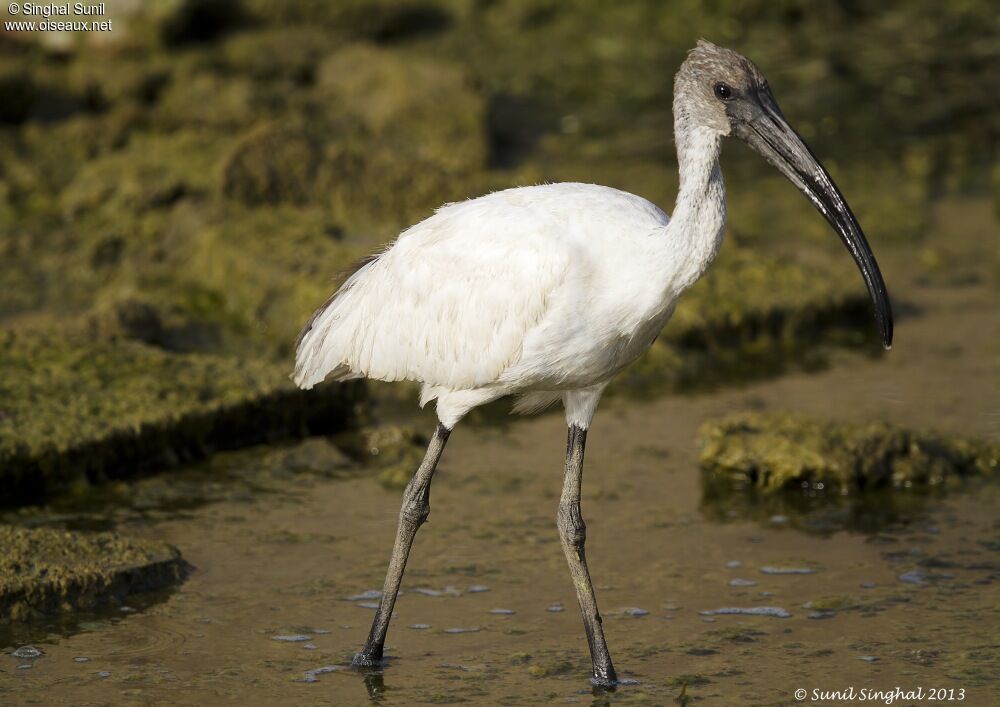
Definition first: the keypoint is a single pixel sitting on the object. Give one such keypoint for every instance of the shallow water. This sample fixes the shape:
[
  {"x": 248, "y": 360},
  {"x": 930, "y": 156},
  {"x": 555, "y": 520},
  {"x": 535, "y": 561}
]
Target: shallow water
[{"x": 908, "y": 601}]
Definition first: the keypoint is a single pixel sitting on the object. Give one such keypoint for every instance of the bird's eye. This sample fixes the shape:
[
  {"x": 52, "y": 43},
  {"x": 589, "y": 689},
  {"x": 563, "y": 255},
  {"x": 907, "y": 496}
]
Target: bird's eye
[{"x": 723, "y": 92}]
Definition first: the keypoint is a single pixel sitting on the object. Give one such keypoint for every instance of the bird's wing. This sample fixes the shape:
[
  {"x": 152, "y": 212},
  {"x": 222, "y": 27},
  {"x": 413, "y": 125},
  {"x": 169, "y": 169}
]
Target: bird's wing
[{"x": 449, "y": 304}]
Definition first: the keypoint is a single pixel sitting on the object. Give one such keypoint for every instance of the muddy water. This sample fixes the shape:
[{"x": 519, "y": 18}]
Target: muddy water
[{"x": 911, "y": 604}]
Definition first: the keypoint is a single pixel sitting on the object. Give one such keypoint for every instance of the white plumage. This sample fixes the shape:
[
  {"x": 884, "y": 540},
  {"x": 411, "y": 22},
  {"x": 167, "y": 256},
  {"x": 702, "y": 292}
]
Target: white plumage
[{"x": 540, "y": 291}]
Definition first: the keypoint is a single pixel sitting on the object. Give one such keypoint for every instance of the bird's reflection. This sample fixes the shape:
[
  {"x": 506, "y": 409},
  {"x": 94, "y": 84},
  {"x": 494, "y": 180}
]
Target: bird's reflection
[
  {"x": 375, "y": 685},
  {"x": 602, "y": 697}
]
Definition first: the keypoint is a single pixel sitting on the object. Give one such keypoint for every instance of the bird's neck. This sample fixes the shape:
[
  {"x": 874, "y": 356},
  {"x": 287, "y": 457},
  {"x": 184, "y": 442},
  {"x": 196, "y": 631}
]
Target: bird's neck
[{"x": 694, "y": 232}]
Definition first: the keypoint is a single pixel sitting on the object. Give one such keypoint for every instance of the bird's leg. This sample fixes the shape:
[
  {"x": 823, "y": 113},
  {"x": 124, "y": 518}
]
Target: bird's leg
[
  {"x": 414, "y": 511},
  {"x": 573, "y": 533}
]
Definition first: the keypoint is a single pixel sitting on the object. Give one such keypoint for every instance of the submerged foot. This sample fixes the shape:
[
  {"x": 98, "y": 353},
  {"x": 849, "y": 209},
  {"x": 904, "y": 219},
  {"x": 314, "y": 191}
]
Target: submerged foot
[
  {"x": 367, "y": 659},
  {"x": 605, "y": 684},
  {"x": 604, "y": 679}
]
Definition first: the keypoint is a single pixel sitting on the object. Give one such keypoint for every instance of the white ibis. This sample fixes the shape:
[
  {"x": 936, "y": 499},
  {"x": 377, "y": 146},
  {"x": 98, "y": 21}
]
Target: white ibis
[{"x": 546, "y": 292}]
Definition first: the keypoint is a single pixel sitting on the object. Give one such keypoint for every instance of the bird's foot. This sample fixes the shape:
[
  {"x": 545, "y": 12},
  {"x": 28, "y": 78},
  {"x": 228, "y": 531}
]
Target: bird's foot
[
  {"x": 604, "y": 680},
  {"x": 609, "y": 681},
  {"x": 366, "y": 660}
]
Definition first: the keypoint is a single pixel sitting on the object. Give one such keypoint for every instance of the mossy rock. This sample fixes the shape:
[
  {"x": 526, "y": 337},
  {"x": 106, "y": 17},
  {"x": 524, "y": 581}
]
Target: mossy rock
[
  {"x": 269, "y": 164},
  {"x": 393, "y": 452},
  {"x": 180, "y": 22},
  {"x": 116, "y": 77},
  {"x": 773, "y": 452},
  {"x": 401, "y": 135},
  {"x": 152, "y": 171},
  {"x": 378, "y": 189},
  {"x": 199, "y": 97},
  {"x": 261, "y": 272},
  {"x": 72, "y": 409},
  {"x": 424, "y": 107},
  {"x": 40, "y": 159},
  {"x": 35, "y": 89},
  {"x": 17, "y": 95},
  {"x": 45, "y": 571},
  {"x": 271, "y": 53},
  {"x": 745, "y": 286},
  {"x": 754, "y": 315},
  {"x": 995, "y": 178},
  {"x": 376, "y": 20},
  {"x": 128, "y": 319},
  {"x": 892, "y": 203}
]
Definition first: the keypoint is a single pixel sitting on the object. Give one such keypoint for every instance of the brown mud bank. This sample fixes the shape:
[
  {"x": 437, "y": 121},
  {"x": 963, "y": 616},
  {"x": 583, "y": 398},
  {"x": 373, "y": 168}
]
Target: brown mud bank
[
  {"x": 45, "y": 571},
  {"x": 76, "y": 411}
]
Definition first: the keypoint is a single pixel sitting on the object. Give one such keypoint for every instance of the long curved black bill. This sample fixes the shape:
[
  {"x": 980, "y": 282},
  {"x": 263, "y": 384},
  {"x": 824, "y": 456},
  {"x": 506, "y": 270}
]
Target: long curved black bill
[{"x": 770, "y": 134}]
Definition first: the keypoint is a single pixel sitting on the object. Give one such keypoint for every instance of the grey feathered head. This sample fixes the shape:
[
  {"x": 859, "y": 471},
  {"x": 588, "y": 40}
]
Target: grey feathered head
[
  {"x": 719, "y": 89},
  {"x": 712, "y": 80}
]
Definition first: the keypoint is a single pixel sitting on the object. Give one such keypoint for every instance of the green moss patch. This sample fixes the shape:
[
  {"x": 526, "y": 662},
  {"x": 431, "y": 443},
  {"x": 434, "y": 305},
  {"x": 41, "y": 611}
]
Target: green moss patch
[
  {"x": 755, "y": 315},
  {"x": 72, "y": 409},
  {"x": 772, "y": 452},
  {"x": 152, "y": 171},
  {"x": 393, "y": 452},
  {"x": 45, "y": 571}
]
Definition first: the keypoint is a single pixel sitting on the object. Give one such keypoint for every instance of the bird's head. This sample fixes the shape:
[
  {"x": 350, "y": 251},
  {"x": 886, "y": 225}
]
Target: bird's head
[{"x": 723, "y": 91}]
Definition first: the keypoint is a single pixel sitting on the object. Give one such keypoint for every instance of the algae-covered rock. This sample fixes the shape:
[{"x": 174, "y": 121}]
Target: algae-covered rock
[
  {"x": 198, "y": 97},
  {"x": 265, "y": 269},
  {"x": 152, "y": 171},
  {"x": 378, "y": 20},
  {"x": 316, "y": 455},
  {"x": 182, "y": 22},
  {"x": 424, "y": 107},
  {"x": 273, "y": 52},
  {"x": 771, "y": 452},
  {"x": 46, "y": 571},
  {"x": 74, "y": 409},
  {"x": 748, "y": 290},
  {"x": 892, "y": 202},
  {"x": 114, "y": 78},
  {"x": 17, "y": 94},
  {"x": 754, "y": 314},
  {"x": 270, "y": 164},
  {"x": 128, "y": 319},
  {"x": 401, "y": 135},
  {"x": 995, "y": 178},
  {"x": 394, "y": 452}
]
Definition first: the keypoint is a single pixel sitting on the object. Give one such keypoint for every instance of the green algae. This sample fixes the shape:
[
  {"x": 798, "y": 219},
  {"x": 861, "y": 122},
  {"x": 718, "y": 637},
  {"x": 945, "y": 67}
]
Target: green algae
[
  {"x": 755, "y": 315},
  {"x": 393, "y": 452},
  {"x": 270, "y": 164},
  {"x": 774, "y": 452},
  {"x": 271, "y": 53},
  {"x": 403, "y": 95},
  {"x": 385, "y": 21},
  {"x": 17, "y": 93},
  {"x": 151, "y": 171},
  {"x": 73, "y": 409},
  {"x": 46, "y": 571},
  {"x": 263, "y": 271}
]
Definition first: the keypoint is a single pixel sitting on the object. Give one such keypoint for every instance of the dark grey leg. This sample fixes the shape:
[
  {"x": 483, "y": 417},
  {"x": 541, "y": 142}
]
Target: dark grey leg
[
  {"x": 416, "y": 507},
  {"x": 573, "y": 532}
]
